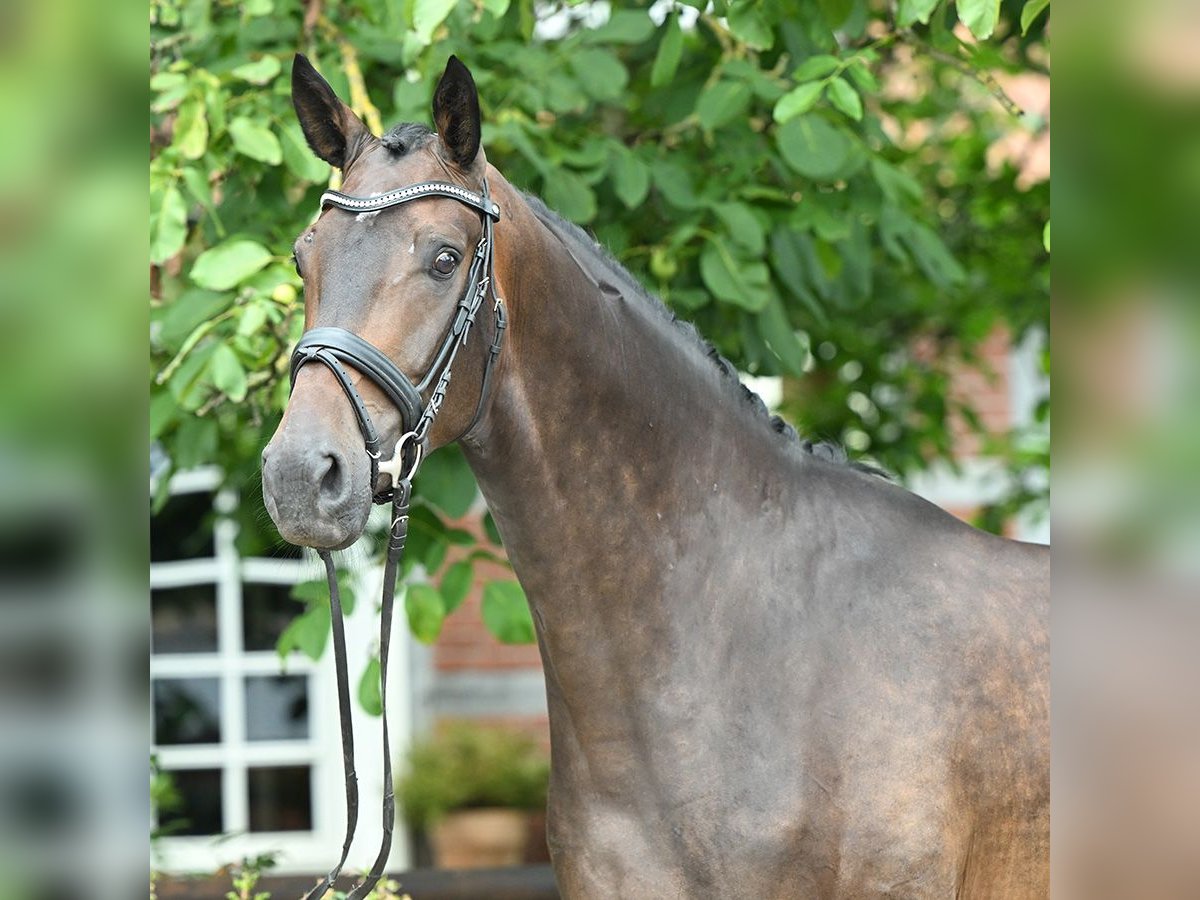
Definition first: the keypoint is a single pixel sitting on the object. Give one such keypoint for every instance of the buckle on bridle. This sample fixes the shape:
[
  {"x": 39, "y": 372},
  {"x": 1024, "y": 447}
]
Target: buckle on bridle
[{"x": 394, "y": 466}]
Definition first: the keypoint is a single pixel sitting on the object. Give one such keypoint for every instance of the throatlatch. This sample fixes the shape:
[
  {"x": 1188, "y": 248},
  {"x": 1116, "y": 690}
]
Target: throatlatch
[{"x": 333, "y": 347}]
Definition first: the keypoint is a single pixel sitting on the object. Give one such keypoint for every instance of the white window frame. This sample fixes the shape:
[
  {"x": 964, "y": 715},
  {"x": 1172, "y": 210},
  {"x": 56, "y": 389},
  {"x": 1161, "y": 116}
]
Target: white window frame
[{"x": 295, "y": 851}]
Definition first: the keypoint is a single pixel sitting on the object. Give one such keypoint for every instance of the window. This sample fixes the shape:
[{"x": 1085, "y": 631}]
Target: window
[{"x": 236, "y": 730}]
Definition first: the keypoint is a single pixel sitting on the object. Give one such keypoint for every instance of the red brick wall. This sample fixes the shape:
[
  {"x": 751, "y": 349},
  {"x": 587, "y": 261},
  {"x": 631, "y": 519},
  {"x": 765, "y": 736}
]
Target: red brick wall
[{"x": 985, "y": 388}]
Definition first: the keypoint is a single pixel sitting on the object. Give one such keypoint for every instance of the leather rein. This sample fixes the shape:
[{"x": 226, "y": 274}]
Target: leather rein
[{"x": 336, "y": 347}]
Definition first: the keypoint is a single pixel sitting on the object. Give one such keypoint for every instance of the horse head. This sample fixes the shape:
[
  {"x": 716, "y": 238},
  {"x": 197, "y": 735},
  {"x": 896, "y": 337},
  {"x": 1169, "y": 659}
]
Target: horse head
[{"x": 391, "y": 289}]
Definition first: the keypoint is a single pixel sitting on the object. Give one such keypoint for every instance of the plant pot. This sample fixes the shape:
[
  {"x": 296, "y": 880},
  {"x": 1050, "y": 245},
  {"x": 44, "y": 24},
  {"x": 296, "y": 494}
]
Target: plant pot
[{"x": 480, "y": 838}]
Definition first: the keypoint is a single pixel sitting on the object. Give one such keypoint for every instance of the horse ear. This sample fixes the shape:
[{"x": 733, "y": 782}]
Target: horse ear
[
  {"x": 332, "y": 129},
  {"x": 456, "y": 113}
]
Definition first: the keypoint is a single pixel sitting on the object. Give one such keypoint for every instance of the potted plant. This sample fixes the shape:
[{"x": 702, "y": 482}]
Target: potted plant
[{"x": 472, "y": 790}]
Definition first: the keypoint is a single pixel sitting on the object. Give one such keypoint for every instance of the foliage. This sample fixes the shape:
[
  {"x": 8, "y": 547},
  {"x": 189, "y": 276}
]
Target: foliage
[
  {"x": 245, "y": 880},
  {"x": 470, "y": 767},
  {"x": 164, "y": 798},
  {"x": 807, "y": 180}
]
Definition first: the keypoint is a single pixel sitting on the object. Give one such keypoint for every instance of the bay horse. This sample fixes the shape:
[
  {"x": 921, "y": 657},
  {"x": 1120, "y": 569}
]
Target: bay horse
[{"x": 769, "y": 673}]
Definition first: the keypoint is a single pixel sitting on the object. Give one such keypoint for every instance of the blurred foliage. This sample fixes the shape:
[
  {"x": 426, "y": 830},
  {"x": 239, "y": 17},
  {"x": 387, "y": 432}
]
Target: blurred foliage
[
  {"x": 807, "y": 180},
  {"x": 471, "y": 767}
]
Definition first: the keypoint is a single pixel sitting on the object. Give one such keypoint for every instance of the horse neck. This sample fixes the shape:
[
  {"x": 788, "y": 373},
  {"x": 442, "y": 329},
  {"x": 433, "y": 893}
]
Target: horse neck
[{"x": 609, "y": 433}]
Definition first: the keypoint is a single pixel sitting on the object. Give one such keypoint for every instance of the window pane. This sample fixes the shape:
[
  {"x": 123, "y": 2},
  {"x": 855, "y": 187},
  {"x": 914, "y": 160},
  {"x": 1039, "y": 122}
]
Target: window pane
[
  {"x": 199, "y": 807},
  {"x": 276, "y": 707},
  {"x": 187, "y": 711},
  {"x": 280, "y": 798},
  {"x": 267, "y": 609},
  {"x": 183, "y": 529},
  {"x": 184, "y": 619}
]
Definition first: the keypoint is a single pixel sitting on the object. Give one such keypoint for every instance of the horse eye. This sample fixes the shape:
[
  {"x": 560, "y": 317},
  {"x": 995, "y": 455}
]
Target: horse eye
[{"x": 446, "y": 263}]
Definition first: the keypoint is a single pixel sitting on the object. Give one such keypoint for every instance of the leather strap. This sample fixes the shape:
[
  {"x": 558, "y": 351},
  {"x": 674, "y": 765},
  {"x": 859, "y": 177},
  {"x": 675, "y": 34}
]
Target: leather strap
[
  {"x": 348, "y": 347},
  {"x": 349, "y": 202},
  {"x": 347, "y": 725},
  {"x": 333, "y": 347}
]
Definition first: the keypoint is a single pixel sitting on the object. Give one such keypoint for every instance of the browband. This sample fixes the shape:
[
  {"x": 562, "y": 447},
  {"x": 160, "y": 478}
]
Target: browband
[{"x": 412, "y": 192}]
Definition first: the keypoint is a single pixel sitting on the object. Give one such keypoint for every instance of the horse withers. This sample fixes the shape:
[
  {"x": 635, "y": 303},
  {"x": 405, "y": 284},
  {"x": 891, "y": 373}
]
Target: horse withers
[{"x": 769, "y": 673}]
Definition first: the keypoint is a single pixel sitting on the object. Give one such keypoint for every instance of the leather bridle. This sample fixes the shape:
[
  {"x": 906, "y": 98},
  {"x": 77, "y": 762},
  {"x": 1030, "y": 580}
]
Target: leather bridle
[{"x": 334, "y": 347}]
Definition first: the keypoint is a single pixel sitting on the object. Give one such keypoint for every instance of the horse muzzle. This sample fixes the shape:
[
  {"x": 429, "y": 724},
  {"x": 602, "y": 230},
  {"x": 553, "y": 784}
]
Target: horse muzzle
[{"x": 316, "y": 491}]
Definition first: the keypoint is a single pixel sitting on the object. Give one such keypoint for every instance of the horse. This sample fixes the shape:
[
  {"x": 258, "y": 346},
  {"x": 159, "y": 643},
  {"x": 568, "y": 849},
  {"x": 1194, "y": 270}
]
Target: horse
[{"x": 769, "y": 672}]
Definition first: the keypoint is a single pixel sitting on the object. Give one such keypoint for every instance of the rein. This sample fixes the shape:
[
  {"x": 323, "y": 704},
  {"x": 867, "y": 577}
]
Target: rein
[{"x": 333, "y": 347}]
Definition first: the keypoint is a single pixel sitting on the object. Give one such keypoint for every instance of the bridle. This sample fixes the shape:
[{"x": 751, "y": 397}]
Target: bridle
[{"x": 334, "y": 347}]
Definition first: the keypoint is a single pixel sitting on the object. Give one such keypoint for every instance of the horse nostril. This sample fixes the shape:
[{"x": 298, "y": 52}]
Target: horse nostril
[{"x": 334, "y": 480}]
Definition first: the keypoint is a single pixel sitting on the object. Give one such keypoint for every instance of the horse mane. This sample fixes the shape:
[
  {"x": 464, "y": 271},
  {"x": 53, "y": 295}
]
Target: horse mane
[
  {"x": 406, "y": 136},
  {"x": 594, "y": 257}
]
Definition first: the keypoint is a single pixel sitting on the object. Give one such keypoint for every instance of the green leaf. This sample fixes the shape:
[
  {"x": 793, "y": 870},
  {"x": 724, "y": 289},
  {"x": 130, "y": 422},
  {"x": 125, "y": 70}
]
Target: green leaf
[
  {"x": 630, "y": 177},
  {"x": 733, "y": 280},
  {"x": 227, "y": 373},
  {"x": 798, "y": 100},
  {"x": 162, "y": 412},
  {"x": 258, "y": 8},
  {"x": 225, "y": 265},
  {"x": 670, "y": 50},
  {"x": 253, "y": 318},
  {"x": 862, "y": 76},
  {"x": 1046, "y": 237},
  {"x": 1031, "y": 10},
  {"x": 788, "y": 259},
  {"x": 837, "y": 11},
  {"x": 895, "y": 183},
  {"x": 813, "y": 147},
  {"x": 190, "y": 136},
  {"x": 910, "y": 11},
  {"x": 816, "y": 67},
  {"x": 255, "y": 140},
  {"x": 460, "y": 537},
  {"x": 307, "y": 633},
  {"x": 742, "y": 226},
  {"x": 750, "y": 27},
  {"x": 722, "y": 103},
  {"x": 425, "y": 611},
  {"x": 447, "y": 482},
  {"x": 506, "y": 613},
  {"x": 167, "y": 81},
  {"x": 980, "y": 16},
  {"x": 456, "y": 584},
  {"x": 675, "y": 184},
  {"x": 490, "y": 529},
  {"x": 261, "y": 71},
  {"x": 187, "y": 385},
  {"x": 427, "y": 15},
  {"x": 845, "y": 98},
  {"x": 932, "y": 256},
  {"x": 569, "y": 194},
  {"x": 316, "y": 592},
  {"x": 297, "y": 156},
  {"x": 168, "y": 227},
  {"x": 599, "y": 73},
  {"x": 201, "y": 191},
  {"x": 777, "y": 332},
  {"x": 369, "y": 696},
  {"x": 624, "y": 26}
]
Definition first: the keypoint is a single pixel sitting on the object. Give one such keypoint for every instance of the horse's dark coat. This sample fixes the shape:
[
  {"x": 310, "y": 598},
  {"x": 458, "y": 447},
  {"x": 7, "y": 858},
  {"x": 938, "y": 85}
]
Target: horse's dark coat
[{"x": 769, "y": 674}]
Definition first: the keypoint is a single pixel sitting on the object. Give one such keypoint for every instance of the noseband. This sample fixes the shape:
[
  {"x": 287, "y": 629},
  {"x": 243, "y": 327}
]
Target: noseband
[{"x": 334, "y": 347}]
